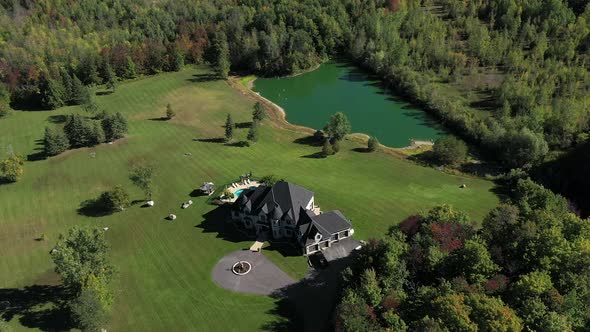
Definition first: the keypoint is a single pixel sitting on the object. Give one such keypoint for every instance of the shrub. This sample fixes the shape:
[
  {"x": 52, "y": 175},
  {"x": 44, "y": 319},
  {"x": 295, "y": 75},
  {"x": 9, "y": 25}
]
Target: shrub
[
  {"x": 269, "y": 179},
  {"x": 113, "y": 200},
  {"x": 335, "y": 146},
  {"x": 372, "y": 144},
  {"x": 450, "y": 151},
  {"x": 228, "y": 193},
  {"x": 12, "y": 168},
  {"x": 327, "y": 149}
]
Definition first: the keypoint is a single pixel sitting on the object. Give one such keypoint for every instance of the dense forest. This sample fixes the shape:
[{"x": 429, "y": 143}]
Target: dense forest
[
  {"x": 510, "y": 76},
  {"x": 526, "y": 268}
]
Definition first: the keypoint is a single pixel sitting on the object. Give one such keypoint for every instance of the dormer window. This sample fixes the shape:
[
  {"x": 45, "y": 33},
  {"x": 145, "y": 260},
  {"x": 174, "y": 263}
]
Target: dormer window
[{"x": 318, "y": 237}]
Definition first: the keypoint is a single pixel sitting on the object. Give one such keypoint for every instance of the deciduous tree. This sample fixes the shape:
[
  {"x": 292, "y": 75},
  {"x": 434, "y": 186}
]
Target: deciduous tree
[
  {"x": 338, "y": 126},
  {"x": 12, "y": 167}
]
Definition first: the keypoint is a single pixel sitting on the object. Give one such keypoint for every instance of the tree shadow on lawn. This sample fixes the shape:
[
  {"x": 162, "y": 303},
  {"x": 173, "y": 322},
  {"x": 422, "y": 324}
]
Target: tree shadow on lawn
[
  {"x": 309, "y": 140},
  {"x": 210, "y": 140},
  {"x": 309, "y": 304},
  {"x": 40, "y": 151},
  {"x": 162, "y": 118},
  {"x": 243, "y": 125},
  {"x": 57, "y": 119},
  {"x": 39, "y": 306},
  {"x": 197, "y": 78},
  {"x": 315, "y": 155},
  {"x": 92, "y": 208},
  {"x": 361, "y": 150}
]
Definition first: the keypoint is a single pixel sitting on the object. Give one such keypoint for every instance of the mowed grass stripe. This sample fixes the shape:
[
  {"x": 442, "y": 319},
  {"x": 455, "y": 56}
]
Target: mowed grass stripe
[{"x": 164, "y": 280}]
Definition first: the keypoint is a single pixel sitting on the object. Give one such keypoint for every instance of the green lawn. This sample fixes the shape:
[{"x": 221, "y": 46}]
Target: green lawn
[{"x": 164, "y": 267}]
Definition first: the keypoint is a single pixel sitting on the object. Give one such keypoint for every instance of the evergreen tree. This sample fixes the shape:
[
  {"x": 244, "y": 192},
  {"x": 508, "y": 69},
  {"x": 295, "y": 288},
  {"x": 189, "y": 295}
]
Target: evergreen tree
[
  {"x": 169, "y": 112},
  {"x": 259, "y": 112},
  {"x": 55, "y": 142},
  {"x": 87, "y": 69},
  {"x": 130, "y": 70},
  {"x": 52, "y": 93},
  {"x": 79, "y": 93},
  {"x": 97, "y": 135},
  {"x": 175, "y": 60},
  {"x": 109, "y": 78},
  {"x": 222, "y": 60},
  {"x": 89, "y": 104},
  {"x": 253, "y": 132},
  {"x": 67, "y": 83},
  {"x": 78, "y": 130},
  {"x": 229, "y": 128},
  {"x": 114, "y": 126}
]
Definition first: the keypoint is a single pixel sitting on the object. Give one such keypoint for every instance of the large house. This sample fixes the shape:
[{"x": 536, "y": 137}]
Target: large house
[{"x": 285, "y": 210}]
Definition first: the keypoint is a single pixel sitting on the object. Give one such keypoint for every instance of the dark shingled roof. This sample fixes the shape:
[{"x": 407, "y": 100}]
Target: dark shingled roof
[
  {"x": 288, "y": 196},
  {"x": 326, "y": 224},
  {"x": 332, "y": 222}
]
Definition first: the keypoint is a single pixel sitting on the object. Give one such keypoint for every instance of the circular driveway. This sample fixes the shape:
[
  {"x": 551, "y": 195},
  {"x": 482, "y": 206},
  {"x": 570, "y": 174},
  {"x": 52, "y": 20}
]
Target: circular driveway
[{"x": 263, "y": 279}]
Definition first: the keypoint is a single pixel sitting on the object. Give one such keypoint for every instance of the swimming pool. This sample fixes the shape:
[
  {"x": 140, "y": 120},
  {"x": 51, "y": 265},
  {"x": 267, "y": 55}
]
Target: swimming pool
[{"x": 238, "y": 192}]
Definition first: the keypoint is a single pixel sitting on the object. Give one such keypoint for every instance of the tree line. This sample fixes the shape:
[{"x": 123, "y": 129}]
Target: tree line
[
  {"x": 539, "y": 48},
  {"x": 525, "y": 268},
  {"x": 82, "y": 131}
]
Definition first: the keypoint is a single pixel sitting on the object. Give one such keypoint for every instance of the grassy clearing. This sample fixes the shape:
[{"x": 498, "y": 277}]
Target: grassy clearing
[{"x": 164, "y": 267}]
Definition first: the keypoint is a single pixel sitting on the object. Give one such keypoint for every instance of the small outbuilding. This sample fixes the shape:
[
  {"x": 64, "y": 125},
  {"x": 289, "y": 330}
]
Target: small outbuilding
[{"x": 207, "y": 188}]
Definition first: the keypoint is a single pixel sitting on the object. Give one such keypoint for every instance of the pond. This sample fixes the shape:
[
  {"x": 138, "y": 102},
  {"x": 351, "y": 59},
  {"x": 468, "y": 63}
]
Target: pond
[{"x": 311, "y": 98}]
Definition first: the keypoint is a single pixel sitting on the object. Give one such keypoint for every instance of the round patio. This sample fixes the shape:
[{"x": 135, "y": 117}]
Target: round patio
[{"x": 263, "y": 279}]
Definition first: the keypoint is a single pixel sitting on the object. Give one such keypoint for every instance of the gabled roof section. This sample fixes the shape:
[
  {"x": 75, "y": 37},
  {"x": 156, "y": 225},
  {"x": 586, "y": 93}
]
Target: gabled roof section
[
  {"x": 289, "y": 197},
  {"x": 331, "y": 222}
]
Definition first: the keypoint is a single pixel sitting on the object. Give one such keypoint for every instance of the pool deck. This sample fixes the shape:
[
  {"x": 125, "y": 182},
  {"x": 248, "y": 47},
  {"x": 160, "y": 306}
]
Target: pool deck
[{"x": 238, "y": 186}]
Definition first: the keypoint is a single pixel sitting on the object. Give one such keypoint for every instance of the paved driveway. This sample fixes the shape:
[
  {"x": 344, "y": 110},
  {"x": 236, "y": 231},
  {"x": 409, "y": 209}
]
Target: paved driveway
[{"x": 264, "y": 278}]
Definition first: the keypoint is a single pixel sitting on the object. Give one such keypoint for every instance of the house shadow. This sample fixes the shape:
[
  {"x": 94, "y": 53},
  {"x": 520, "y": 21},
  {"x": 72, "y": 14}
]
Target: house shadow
[
  {"x": 284, "y": 248},
  {"x": 37, "y": 307},
  {"x": 210, "y": 140},
  {"x": 219, "y": 221},
  {"x": 309, "y": 304}
]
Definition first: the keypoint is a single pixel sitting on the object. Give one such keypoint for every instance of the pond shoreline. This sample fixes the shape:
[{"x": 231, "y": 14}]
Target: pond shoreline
[{"x": 279, "y": 118}]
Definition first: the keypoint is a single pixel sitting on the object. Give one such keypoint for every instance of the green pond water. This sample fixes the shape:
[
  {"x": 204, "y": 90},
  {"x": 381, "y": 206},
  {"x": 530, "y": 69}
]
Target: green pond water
[{"x": 311, "y": 98}]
